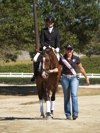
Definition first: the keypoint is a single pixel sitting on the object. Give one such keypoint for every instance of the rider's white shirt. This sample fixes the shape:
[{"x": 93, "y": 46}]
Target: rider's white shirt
[{"x": 50, "y": 29}]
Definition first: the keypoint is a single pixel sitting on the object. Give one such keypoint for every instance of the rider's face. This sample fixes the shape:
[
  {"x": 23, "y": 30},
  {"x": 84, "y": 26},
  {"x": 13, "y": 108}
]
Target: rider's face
[{"x": 50, "y": 24}]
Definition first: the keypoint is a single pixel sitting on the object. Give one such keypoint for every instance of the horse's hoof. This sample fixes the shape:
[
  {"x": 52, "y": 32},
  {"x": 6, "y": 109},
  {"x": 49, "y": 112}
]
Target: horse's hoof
[
  {"x": 51, "y": 116},
  {"x": 42, "y": 116},
  {"x": 48, "y": 116}
]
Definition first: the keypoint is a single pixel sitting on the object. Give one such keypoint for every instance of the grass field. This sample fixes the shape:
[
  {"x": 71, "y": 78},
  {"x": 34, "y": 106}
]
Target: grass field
[
  {"x": 18, "y": 62},
  {"x": 91, "y": 65}
]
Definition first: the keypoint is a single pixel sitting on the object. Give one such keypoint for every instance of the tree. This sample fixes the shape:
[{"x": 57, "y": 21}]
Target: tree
[
  {"x": 16, "y": 30},
  {"x": 77, "y": 20},
  {"x": 94, "y": 45}
]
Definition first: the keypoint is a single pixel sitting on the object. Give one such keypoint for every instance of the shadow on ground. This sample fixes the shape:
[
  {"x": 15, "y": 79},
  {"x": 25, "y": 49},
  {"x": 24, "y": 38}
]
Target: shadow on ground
[
  {"x": 18, "y": 90},
  {"x": 27, "y": 118}
]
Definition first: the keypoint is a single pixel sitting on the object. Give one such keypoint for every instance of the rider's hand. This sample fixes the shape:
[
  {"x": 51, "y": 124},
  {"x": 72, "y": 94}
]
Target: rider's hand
[
  {"x": 44, "y": 47},
  {"x": 57, "y": 50}
]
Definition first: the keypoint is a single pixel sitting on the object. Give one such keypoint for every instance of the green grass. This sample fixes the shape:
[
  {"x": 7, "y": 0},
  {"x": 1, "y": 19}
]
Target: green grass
[
  {"x": 18, "y": 66},
  {"x": 91, "y": 65}
]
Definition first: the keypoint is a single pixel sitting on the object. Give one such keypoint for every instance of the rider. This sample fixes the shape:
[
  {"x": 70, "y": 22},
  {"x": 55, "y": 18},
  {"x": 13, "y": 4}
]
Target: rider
[{"x": 49, "y": 37}]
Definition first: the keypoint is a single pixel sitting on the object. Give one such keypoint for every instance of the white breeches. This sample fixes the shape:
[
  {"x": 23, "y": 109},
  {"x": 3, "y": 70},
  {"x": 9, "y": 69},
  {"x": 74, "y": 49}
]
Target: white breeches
[{"x": 36, "y": 57}]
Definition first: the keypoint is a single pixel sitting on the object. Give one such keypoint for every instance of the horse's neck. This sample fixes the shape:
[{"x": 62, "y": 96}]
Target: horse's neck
[{"x": 54, "y": 58}]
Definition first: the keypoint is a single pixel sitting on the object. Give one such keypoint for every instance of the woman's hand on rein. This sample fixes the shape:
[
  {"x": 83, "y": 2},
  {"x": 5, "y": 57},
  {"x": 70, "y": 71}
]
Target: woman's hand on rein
[{"x": 53, "y": 70}]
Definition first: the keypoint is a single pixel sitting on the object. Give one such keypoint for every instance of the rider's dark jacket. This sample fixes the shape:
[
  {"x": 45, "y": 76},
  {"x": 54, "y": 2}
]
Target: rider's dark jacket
[{"x": 47, "y": 38}]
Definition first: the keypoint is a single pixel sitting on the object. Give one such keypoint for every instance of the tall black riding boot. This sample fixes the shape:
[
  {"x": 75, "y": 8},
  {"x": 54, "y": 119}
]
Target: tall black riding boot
[{"x": 35, "y": 71}]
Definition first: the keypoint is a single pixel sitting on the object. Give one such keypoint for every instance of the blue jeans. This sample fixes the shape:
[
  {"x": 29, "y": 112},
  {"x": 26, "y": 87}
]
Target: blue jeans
[{"x": 70, "y": 90}]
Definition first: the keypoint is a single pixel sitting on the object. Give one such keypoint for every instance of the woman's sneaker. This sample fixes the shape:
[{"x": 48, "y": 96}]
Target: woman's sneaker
[
  {"x": 75, "y": 117},
  {"x": 68, "y": 117}
]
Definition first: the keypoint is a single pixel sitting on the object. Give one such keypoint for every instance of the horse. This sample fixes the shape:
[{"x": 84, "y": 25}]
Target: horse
[{"x": 46, "y": 82}]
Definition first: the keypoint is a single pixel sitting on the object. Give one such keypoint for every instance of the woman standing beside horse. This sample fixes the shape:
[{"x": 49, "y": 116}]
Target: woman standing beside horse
[{"x": 70, "y": 81}]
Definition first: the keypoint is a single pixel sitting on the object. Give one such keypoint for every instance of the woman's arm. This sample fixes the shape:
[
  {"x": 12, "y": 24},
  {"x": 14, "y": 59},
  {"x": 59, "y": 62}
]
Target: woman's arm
[{"x": 82, "y": 70}]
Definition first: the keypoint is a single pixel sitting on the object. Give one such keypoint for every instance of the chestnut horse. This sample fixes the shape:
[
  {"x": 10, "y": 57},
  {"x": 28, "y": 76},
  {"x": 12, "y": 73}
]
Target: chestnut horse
[{"x": 46, "y": 82}]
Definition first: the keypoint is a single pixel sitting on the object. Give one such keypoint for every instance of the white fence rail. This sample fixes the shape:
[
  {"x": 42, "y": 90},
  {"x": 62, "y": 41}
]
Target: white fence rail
[
  {"x": 29, "y": 75},
  {"x": 90, "y": 75},
  {"x": 16, "y": 75}
]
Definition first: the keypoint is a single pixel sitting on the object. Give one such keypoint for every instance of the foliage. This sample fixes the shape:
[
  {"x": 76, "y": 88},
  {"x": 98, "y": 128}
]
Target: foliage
[
  {"x": 17, "y": 68},
  {"x": 77, "y": 21},
  {"x": 93, "y": 81},
  {"x": 94, "y": 45},
  {"x": 16, "y": 28},
  {"x": 91, "y": 65},
  {"x": 15, "y": 81}
]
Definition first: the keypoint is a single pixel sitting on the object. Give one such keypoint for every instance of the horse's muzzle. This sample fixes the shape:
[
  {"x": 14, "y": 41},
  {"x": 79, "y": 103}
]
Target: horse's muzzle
[{"x": 45, "y": 74}]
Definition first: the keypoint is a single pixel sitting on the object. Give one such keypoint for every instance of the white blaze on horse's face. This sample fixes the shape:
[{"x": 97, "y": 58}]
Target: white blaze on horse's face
[
  {"x": 43, "y": 62},
  {"x": 44, "y": 73}
]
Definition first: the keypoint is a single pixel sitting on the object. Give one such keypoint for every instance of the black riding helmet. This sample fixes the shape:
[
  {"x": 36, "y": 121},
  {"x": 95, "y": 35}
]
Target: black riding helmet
[{"x": 50, "y": 19}]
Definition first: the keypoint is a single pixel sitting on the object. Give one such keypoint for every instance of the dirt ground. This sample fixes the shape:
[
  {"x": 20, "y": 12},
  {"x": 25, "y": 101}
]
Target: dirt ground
[{"x": 20, "y": 114}]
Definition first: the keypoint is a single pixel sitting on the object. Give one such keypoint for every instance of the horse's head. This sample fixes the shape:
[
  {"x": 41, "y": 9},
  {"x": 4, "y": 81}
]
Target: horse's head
[{"x": 47, "y": 62}]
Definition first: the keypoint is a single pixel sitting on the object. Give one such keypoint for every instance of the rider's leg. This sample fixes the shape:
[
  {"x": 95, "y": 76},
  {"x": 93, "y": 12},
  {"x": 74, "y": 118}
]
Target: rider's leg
[
  {"x": 35, "y": 60},
  {"x": 35, "y": 71}
]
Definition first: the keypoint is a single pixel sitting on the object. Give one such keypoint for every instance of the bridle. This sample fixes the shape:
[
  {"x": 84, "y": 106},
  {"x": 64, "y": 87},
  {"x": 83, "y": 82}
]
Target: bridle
[{"x": 45, "y": 59}]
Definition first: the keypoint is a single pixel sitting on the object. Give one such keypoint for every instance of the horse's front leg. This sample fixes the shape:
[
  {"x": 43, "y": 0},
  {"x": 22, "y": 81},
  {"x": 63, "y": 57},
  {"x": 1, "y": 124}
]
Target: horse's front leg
[
  {"x": 41, "y": 107},
  {"x": 47, "y": 99},
  {"x": 52, "y": 103}
]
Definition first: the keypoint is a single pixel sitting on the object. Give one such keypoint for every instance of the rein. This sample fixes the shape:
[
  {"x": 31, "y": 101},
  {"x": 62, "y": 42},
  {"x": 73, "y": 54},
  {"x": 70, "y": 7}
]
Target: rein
[
  {"x": 48, "y": 61},
  {"x": 46, "y": 69}
]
